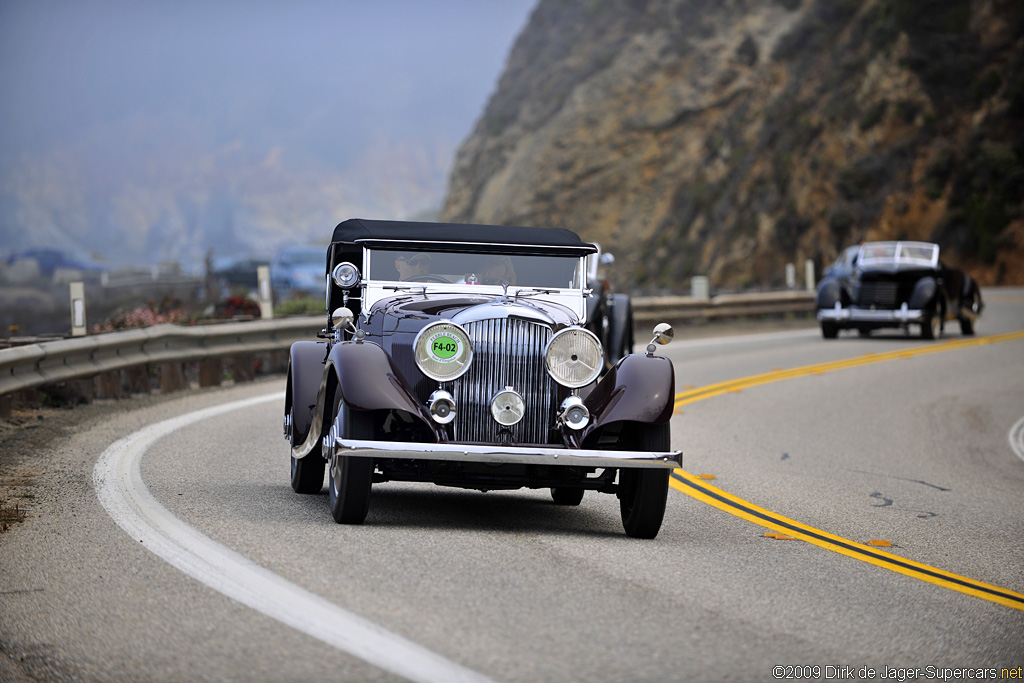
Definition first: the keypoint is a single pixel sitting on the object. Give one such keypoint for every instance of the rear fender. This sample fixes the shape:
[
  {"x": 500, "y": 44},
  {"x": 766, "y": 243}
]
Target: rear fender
[{"x": 639, "y": 388}]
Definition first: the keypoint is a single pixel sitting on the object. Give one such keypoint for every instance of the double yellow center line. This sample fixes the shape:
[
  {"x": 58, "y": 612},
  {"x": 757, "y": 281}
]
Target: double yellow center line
[{"x": 693, "y": 486}]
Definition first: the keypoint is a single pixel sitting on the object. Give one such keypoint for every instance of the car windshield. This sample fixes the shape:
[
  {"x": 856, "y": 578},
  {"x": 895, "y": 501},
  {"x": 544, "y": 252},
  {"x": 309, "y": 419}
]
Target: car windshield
[
  {"x": 917, "y": 253},
  {"x": 463, "y": 268}
]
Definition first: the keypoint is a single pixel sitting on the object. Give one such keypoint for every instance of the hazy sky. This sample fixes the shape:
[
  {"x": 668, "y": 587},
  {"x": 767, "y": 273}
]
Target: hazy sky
[
  {"x": 315, "y": 74},
  {"x": 149, "y": 130}
]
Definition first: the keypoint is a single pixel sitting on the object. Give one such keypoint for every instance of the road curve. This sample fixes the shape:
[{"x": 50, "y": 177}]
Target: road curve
[{"x": 912, "y": 449}]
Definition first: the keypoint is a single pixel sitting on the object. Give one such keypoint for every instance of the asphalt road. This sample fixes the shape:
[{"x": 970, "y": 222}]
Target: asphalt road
[{"x": 914, "y": 449}]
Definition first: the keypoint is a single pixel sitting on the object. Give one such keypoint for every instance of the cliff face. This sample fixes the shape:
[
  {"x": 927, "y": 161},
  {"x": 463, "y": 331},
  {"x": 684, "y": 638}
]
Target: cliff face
[{"x": 729, "y": 137}]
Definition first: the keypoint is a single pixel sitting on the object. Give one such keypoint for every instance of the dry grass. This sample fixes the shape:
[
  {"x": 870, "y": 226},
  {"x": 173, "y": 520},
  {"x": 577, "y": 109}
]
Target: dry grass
[{"x": 10, "y": 515}]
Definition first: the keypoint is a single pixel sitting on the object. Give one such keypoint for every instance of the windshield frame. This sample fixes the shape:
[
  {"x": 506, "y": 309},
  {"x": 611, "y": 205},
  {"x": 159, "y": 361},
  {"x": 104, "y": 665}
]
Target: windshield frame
[
  {"x": 901, "y": 254},
  {"x": 574, "y": 297}
]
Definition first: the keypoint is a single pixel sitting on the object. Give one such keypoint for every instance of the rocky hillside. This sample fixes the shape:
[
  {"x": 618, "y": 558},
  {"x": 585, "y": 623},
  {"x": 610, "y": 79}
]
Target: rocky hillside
[{"x": 729, "y": 137}]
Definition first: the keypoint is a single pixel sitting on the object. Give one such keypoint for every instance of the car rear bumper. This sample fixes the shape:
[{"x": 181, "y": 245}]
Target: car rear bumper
[
  {"x": 501, "y": 454},
  {"x": 899, "y": 316}
]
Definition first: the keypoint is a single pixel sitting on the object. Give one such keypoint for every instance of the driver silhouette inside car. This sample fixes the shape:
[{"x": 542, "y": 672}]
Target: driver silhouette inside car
[
  {"x": 412, "y": 265},
  {"x": 494, "y": 270}
]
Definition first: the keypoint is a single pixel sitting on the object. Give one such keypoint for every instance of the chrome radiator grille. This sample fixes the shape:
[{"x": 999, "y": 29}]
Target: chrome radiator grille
[
  {"x": 506, "y": 353},
  {"x": 883, "y": 294}
]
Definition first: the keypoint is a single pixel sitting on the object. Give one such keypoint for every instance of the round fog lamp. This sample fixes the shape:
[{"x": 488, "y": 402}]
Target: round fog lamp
[
  {"x": 508, "y": 407},
  {"x": 441, "y": 406},
  {"x": 573, "y": 413}
]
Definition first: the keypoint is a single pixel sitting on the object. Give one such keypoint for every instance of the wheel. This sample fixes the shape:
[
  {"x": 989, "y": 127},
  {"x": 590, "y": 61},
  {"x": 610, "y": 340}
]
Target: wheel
[
  {"x": 829, "y": 330},
  {"x": 931, "y": 326},
  {"x": 967, "y": 324},
  {"x": 351, "y": 477},
  {"x": 567, "y": 496},
  {"x": 644, "y": 492},
  {"x": 308, "y": 473}
]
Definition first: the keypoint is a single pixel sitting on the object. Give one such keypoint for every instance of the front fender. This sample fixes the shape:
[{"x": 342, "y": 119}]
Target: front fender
[
  {"x": 370, "y": 381},
  {"x": 924, "y": 293},
  {"x": 305, "y": 371},
  {"x": 639, "y": 388},
  {"x": 367, "y": 380},
  {"x": 829, "y": 292}
]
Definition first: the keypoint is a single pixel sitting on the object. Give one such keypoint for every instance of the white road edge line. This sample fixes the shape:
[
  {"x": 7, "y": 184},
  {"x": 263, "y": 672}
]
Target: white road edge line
[
  {"x": 1017, "y": 438},
  {"x": 117, "y": 478}
]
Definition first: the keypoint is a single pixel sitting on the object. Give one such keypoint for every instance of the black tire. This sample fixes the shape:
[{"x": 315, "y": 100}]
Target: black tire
[
  {"x": 829, "y": 330},
  {"x": 931, "y": 326},
  {"x": 351, "y": 478},
  {"x": 567, "y": 496},
  {"x": 967, "y": 323},
  {"x": 308, "y": 473},
  {"x": 643, "y": 492}
]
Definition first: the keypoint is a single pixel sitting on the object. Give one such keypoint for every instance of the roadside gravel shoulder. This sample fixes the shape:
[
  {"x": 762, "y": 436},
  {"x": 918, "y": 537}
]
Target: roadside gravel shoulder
[{"x": 43, "y": 469}]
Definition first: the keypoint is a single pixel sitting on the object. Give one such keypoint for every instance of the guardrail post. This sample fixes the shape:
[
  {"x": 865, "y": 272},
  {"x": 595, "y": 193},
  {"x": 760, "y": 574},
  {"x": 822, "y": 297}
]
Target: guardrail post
[
  {"x": 172, "y": 377},
  {"x": 809, "y": 275},
  {"x": 265, "y": 293},
  {"x": 108, "y": 385},
  {"x": 77, "y": 309},
  {"x": 211, "y": 371},
  {"x": 790, "y": 276},
  {"x": 699, "y": 287}
]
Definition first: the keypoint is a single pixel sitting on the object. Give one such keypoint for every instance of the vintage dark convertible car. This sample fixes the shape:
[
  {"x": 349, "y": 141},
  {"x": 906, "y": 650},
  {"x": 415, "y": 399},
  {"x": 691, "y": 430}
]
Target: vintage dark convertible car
[
  {"x": 609, "y": 313},
  {"x": 458, "y": 355},
  {"x": 896, "y": 284}
]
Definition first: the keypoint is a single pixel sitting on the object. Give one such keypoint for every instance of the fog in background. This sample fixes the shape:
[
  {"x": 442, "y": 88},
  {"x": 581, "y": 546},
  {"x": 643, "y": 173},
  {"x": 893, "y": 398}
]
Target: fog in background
[{"x": 144, "y": 132}]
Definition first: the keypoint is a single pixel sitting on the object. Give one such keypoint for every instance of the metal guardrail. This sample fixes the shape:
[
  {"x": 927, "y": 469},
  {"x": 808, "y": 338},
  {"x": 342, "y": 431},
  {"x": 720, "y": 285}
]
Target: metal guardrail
[
  {"x": 51, "y": 362},
  {"x": 722, "y": 306}
]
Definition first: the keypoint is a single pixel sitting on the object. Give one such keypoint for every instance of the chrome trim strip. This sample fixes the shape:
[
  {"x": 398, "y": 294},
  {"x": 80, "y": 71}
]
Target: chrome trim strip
[
  {"x": 868, "y": 315},
  {"x": 509, "y": 454},
  {"x": 482, "y": 247}
]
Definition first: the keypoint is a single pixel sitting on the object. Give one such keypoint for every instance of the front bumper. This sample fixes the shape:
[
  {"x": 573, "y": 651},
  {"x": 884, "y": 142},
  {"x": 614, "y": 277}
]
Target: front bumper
[
  {"x": 502, "y": 454},
  {"x": 899, "y": 316}
]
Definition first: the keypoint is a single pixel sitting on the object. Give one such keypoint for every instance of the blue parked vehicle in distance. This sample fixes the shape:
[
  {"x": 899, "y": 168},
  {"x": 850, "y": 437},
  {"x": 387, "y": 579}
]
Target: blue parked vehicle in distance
[{"x": 298, "y": 270}]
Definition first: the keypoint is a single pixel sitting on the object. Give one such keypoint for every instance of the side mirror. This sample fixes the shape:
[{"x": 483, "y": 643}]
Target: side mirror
[
  {"x": 342, "y": 318},
  {"x": 663, "y": 334}
]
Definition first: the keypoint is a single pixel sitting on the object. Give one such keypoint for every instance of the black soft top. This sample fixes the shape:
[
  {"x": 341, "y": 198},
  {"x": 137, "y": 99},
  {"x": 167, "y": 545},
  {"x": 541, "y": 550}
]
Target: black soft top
[{"x": 362, "y": 230}]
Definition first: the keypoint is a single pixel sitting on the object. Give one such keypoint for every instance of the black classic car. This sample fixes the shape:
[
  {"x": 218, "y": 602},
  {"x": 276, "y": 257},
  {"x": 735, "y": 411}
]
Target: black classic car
[
  {"x": 459, "y": 355},
  {"x": 609, "y": 313},
  {"x": 895, "y": 284}
]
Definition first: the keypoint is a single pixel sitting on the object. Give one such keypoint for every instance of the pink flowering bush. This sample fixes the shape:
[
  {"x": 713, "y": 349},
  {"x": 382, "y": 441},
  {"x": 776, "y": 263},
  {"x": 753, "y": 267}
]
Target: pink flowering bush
[
  {"x": 236, "y": 306},
  {"x": 167, "y": 311}
]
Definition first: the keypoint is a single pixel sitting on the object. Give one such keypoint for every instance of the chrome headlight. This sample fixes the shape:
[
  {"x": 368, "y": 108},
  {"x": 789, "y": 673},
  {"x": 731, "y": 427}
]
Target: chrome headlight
[
  {"x": 574, "y": 357},
  {"x": 345, "y": 275},
  {"x": 443, "y": 351}
]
